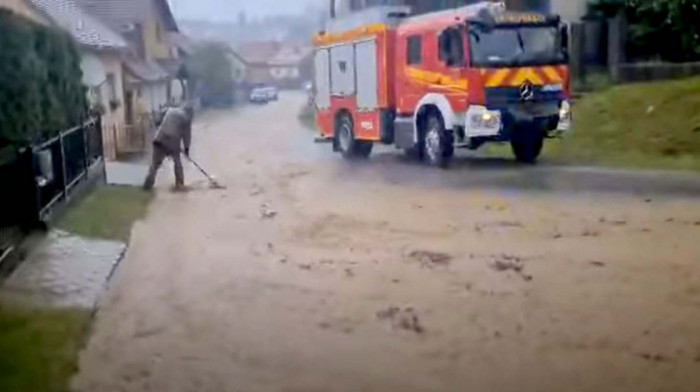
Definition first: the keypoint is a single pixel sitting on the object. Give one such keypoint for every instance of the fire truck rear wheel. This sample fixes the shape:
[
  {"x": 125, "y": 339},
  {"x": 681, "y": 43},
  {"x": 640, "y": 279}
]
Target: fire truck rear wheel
[
  {"x": 348, "y": 146},
  {"x": 438, "y": 143}
]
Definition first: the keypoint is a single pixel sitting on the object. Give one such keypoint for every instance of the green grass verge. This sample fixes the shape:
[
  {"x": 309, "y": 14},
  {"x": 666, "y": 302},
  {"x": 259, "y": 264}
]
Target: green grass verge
[
  {"x": 646, "y": 125},
  {"x": 39, "y": 348},
  {"x": 107, "y": 213}
]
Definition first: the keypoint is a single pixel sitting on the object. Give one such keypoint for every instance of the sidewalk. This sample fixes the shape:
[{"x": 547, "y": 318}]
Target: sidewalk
[
  {"x": 64, "y": 271},
  {"x": 126, "y": 173}
]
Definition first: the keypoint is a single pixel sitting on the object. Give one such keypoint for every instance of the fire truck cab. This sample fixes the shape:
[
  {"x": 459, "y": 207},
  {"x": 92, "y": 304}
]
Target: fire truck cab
[{"x": 435, "y": 82}]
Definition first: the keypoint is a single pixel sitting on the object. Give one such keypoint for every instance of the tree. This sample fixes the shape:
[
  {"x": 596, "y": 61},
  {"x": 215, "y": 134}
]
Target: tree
[
  {"x": 665, "y": 29},
  {"x": 211, "y": 74}
]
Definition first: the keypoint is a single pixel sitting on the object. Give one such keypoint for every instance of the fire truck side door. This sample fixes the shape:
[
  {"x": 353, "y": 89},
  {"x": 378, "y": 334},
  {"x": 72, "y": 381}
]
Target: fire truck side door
[
  {"x": 410, "y": 57},
  {"x": 453, "y": 60}
]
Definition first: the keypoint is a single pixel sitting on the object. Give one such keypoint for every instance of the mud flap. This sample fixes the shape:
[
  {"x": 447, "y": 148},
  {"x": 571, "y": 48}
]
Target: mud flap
[{"x": 404, "y": 132}]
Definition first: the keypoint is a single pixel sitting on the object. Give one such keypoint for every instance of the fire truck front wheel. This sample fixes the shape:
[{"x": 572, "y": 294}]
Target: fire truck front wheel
[
  {"x": 345, "y": 140},
  {"x": 437, "y": 143},
  {"x": 528, "y": 147}
]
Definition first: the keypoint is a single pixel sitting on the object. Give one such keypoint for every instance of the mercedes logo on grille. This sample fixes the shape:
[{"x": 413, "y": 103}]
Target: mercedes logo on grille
[{"x": 527, "y": 91}]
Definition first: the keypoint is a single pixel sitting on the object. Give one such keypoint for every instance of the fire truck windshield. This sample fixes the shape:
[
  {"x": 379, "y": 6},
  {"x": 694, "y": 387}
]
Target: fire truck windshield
[{"x": 513, "y": 46}]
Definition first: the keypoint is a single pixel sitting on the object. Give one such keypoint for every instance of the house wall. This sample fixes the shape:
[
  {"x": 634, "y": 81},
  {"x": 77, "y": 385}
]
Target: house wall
[
  {"x": 23, "y": 8},
  {"x": 110, "y": 89},
  {"x": 258, "y": 74},
  {"x": 281, "y": 73},
  {"x": 156, "y": 42},
  {"x": 238, "y": 68},
  {"x": 154, "y": 96},
  {"x": 177, "y": 94}
]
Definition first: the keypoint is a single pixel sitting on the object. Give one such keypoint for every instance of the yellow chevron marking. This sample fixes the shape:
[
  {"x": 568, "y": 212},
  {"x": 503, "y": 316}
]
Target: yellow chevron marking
[
  {"x": 526, "y": 74},
  {"x": 552, "y": 74},
  {"x": 497, "y": 78}
]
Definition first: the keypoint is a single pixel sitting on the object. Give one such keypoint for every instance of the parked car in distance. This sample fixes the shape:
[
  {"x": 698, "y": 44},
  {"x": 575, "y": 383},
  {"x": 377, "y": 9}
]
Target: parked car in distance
[
  {"x": 259, "y": 95},
  {"x": 272, "y": 93}
]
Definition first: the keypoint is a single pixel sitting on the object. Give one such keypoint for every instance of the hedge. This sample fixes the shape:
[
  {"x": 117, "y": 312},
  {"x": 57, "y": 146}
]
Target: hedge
[{"x": 41, "y": 90}]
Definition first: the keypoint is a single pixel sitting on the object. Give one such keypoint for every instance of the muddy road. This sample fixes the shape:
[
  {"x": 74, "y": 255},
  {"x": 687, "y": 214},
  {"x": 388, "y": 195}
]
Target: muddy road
[{"x": 313, "y": 274}]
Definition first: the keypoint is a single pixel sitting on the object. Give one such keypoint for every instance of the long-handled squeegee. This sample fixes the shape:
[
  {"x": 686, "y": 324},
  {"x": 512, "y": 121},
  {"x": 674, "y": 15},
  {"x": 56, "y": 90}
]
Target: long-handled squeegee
[{"x": 212, "y": 181}]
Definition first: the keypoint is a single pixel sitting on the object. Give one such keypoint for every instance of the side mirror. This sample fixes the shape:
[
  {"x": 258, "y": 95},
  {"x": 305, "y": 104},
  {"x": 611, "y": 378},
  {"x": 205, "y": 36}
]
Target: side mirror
[{"x": 564, "y": 34}]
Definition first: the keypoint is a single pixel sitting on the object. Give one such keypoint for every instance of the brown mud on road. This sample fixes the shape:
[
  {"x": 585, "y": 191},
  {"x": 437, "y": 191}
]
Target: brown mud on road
[{"x": 313, "y": 274}]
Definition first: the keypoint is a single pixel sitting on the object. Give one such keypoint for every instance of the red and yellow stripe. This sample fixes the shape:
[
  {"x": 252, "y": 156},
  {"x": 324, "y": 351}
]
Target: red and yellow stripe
[{"x": 514, "y": 77}]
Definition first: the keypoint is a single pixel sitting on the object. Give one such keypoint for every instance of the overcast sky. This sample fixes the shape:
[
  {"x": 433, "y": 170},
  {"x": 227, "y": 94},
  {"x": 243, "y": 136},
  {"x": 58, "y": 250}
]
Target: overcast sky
[{"x": 229, "y": 9}]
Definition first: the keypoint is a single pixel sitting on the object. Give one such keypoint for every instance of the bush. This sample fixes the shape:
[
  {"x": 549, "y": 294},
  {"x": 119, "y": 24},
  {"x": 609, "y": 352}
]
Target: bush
[{"x": 41, "y": 79}]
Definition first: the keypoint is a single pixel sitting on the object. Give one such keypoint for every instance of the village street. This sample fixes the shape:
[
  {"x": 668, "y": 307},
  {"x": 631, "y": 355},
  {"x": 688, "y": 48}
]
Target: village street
[{"x": 310, "y": 273}]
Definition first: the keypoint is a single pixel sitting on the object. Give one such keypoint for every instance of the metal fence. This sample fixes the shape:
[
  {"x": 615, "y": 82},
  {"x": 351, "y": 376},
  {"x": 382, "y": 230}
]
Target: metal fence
[
  {"x": 42, "y": 175},
  {"x": 599, "y": 56}
]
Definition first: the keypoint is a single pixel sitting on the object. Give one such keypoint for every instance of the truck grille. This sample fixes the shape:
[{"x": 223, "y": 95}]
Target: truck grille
[{"x": 499, "y": 98}]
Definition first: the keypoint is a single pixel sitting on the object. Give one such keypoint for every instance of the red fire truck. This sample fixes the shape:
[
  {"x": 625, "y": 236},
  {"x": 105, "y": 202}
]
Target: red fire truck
[{"x": 435, "y": 82}]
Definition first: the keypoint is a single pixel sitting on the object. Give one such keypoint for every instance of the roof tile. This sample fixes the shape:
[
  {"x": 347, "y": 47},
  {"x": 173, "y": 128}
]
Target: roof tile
[{"x": 83, "y": 27}]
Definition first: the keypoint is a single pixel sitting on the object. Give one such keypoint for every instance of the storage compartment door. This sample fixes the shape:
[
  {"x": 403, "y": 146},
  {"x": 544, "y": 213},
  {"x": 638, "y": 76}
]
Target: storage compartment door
[
  {"x": 343, "y": 70},
  {"x": 323, "y": 79},
  {"x": 366, "y": 64}
]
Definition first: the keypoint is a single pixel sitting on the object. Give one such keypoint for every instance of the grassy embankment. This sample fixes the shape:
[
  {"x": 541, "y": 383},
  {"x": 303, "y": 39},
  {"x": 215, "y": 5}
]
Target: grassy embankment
[
  {"x": 647, "y": 125},
  {"x": 39, "y": 347},
  {"x": 644, "y": 126}
]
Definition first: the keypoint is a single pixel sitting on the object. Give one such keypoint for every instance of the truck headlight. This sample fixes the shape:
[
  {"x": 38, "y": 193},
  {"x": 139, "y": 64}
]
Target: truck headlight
[
  {"x": 486, "y": 119},
  {"x": 564, "y": 117},
  {"x": 565, "y": 111},
  {"x": 482, "y": 122}
]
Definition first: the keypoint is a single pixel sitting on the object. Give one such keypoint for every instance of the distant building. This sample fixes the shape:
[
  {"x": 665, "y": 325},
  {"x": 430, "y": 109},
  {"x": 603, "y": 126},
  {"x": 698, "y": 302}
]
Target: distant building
[
  {"x": 281, "y": 64},
  {"x": 292, "y": 66}
]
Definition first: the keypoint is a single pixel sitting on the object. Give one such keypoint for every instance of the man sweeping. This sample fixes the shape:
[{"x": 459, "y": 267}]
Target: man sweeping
[{"x": 174, "y": 132}]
